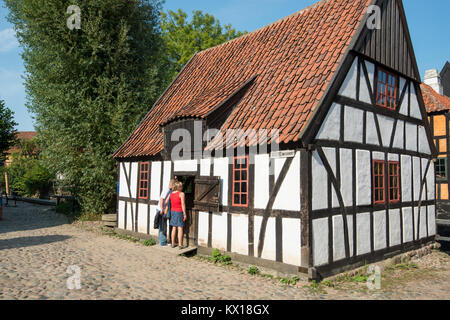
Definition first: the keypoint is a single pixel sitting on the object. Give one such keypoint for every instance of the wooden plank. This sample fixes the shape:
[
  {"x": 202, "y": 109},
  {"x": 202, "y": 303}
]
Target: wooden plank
[
  {"x": 442, "y": 222},
  {"x": 445, "y": 239}
]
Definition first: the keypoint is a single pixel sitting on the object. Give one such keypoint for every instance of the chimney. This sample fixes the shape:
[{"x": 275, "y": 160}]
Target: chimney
[{"x": 433, "y": 79}]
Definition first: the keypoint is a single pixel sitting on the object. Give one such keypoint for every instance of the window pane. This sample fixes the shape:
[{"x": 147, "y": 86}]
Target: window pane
[
  {"x": 237, "y": 199},
  {"x": 244, "y": 174},
  {"x": 243, "y": 199},
  {"x": 237, "y": 164},
  {"x": 244, "y": 186},
  {"x": 237, "y": 187}
]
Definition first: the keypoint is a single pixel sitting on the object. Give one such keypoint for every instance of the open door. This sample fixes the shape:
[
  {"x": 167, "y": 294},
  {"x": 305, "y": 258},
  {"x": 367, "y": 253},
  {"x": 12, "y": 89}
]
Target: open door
[{"x": 207, "y": 194}]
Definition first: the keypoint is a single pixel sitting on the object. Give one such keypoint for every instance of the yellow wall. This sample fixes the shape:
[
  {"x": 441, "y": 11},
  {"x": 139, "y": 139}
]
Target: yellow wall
[
  {"x": 439, "y": 125},
  {"x": 440, "y": 130}
]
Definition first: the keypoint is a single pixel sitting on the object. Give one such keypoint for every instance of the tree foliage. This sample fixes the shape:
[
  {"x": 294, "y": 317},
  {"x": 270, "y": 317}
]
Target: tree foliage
[
  {"x": 88, "y": 88},
  {"x": 7, "y": 129},
  {"x": 27, "y": 175},
  {"x": 183, "y": 38}
]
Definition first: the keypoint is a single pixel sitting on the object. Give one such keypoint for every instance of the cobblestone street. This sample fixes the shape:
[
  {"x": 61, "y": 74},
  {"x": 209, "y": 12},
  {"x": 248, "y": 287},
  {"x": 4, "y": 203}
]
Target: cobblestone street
[{"x": 37, "y": 246}]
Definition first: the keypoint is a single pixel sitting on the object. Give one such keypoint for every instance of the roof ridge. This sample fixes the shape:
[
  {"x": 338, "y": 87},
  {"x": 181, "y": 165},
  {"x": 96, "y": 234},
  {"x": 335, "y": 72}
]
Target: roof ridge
[{"x": 312, "y": 6}]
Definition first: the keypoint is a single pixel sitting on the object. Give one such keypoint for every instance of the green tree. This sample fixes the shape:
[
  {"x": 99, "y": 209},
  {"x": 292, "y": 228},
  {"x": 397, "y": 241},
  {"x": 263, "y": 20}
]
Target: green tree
[
  {"x": 27, "y": 174},
  {"x": 183, "y": 38},
  {"x": 89, "y": 87},
  {"x": 7, "y": 129}
]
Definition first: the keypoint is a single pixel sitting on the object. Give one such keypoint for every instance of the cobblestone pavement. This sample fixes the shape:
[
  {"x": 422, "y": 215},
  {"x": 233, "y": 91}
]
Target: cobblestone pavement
[{"x": 37, "y": 246}]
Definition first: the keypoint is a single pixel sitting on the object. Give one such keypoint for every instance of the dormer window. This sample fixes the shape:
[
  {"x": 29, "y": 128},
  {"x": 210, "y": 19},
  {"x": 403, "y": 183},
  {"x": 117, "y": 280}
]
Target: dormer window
[{"x": 386, "y": 90}]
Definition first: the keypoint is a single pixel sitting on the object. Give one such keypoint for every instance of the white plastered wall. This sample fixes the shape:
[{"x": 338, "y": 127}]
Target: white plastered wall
[
  {"x": 155, "y": 180},
  {"x": 288, "y": 197},
  {"x": 348, "y": 88},
  {"x": 121, "y": 215},
  {"x": 291, "y": 241},
  {"x": 269, "y": 250},
  {"x": 353, "y": 128},
  {"x": 185, "y": 166},
  {"x": 203, "y": 228},
  {"x": 363, "y": 182},
  {"x": 132, "y": 174},
  {"x": 319, "y": 183},
  {"x": 143, "y": 218},
  {"x": 205, "y": 167},
  {"x": 239, "y": 234},
  {"x": 261, "y": 197},
  {"x": 330, "y": 129},
  {"x": 219, "y": 230},
  {"x": 320, "y": 241},
  {"x": 221, "y": 170}
]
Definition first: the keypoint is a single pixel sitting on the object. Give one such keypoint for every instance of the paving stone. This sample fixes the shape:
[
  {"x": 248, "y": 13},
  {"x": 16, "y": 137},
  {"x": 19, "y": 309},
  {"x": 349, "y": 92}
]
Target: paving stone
[{"x": 37, "y": 247}]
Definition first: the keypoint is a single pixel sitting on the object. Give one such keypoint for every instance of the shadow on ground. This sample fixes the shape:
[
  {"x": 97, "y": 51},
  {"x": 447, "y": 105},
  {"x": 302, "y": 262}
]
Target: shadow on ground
[
  {"x": 23, "y": 242},
  {"x": 23, "y": 218}
]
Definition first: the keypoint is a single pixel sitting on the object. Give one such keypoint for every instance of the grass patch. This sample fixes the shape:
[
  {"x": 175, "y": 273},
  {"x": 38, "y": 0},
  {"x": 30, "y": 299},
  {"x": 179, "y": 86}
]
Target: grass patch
[
  {"x": 290, "y": 281},
  {"x": 253, "y": 270},
  {"x": 403, "y": 266},
  {"x": 217, "y": 257},
  {"x": 149, "y": 242},
  {"x": 315, "y": 287}
]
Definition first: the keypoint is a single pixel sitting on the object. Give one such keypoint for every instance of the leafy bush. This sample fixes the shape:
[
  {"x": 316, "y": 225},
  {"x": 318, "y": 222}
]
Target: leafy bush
[
  {"x": 253, "y": 270},
  {"x": 149, "y": 242},
  {"x": 28, "y": 177},
  {"x": 216, "y": 256},
  {"x": 292, "y": 281},
  {"x": 65, "y": 207}
]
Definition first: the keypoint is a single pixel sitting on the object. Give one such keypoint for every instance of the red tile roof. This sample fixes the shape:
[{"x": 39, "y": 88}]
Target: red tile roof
[
  {"x": 434, "y": 102},
  {"x": 294, "y": 60},
  {"x": 22, "y": 135}
]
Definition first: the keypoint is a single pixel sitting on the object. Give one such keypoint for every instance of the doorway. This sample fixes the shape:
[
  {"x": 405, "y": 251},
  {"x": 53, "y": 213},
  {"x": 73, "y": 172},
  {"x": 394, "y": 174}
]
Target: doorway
[{"x": 189, "y": 191}]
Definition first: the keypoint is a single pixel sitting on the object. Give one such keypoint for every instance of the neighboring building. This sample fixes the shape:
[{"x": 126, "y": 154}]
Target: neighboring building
[
  {"x": 23, "y": 135},
  {"x": 438, "y": 107},
  {"x": 445, "y": 79},
  {"x": 353, "y": 182}
]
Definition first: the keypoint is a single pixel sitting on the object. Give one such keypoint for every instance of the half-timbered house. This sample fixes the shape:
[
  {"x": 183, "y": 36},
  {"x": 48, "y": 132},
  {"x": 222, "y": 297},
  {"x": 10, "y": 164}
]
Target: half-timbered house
[
  {"x": 438, "y": 108},
  {"x": 348, "y": 176}
]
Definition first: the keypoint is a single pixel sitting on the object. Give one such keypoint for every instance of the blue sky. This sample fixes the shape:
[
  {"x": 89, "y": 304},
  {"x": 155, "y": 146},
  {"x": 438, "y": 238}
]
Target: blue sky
[{"x": 428, "y": 22}]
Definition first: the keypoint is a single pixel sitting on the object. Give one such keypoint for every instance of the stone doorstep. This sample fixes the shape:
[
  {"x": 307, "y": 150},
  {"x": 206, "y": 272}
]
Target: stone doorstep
[
  {"x": 442, "y": 222},
  {"x": 175, "y": 251}
]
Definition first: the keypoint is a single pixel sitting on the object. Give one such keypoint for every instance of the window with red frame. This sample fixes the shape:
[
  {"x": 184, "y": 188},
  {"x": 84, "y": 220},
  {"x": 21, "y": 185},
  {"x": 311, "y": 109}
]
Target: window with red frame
[
  {"x": 378, "y": 182},
  {"x": 394, "y": 181},
  {"x": 240, "y": 181},
  {"x": 143, "y": 180},
  {"x": 386, "y": 90}
]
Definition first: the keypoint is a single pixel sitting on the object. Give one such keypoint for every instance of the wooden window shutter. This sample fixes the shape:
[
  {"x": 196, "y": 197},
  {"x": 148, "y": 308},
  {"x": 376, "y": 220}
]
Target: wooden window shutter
[{"x": 207, "y": 194}]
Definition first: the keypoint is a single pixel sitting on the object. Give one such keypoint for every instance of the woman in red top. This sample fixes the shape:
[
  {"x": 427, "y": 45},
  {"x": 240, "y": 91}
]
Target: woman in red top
[{"x": 177, "y": 213}]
